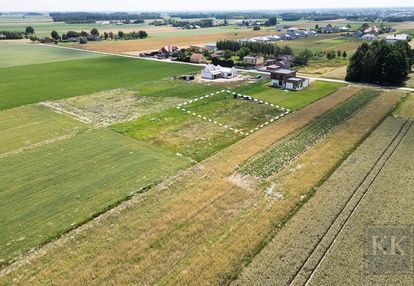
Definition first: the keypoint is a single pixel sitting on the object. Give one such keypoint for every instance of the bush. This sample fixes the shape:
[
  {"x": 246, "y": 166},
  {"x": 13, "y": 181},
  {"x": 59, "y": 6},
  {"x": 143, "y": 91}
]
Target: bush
[{"x": 83, "y": 40}]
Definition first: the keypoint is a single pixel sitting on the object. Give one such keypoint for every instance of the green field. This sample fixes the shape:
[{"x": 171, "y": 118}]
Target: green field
[
  {"x": 23, "y": 54},
  {"x": 291, "y": 99},
  {"x": 35, "y": 83},
  {"x": 25, "y": 126},
  {"x": 50, "y": 189}
]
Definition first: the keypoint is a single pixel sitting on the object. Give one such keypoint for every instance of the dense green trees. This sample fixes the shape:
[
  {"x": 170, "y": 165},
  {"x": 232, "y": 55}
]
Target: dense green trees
[
  {"x": 265, "y": 49},
  {"x": 55, "y": 35},
  {"x": 381, "y": 63},
  {"x": 303, "y": 58},
  {"x": 272, "y": 21},
  {"x": 29, "y": 30},
  {"x": 95, "y": 32}
]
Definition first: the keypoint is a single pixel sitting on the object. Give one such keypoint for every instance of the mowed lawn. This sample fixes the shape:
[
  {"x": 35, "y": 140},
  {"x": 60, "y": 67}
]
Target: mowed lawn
[
  {"x": 48, "y": 190},
  {"x": 35, "y": 83},
  {"x": 26, "y": 54},
  {"x": 24, "y": 126},
  {"x": 290, "y": 99}
]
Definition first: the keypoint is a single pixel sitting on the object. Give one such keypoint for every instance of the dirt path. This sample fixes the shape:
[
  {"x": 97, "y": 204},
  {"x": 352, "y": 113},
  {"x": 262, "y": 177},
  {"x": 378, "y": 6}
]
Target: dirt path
[{"x": 160, "y": 229}]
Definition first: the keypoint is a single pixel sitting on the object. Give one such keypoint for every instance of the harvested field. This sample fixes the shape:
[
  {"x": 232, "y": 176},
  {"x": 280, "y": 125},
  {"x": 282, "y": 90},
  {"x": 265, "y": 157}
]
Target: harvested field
[
  {"x": 386, "y": 205},
  {"x": 290, "y": 247},
  {"x": 274, "y": 159},
  {"x": 51, "y": 189},
  {"x": 137, "y": 46},
  {"x": 193, "y": 216},
  {"x": 112, "y": 106},
  {"x": 406, "y": 108},
  {"x": 25, "y": 127}
]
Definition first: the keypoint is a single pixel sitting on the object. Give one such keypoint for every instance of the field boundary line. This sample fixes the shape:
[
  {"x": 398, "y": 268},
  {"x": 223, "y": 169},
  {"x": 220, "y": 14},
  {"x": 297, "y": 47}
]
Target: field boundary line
[
  {"x": 61, "y": 110},
  {"x": 37, "y": 145},
  {"x": 390, "y": 148},
  {"x": 182, "y": 107}
]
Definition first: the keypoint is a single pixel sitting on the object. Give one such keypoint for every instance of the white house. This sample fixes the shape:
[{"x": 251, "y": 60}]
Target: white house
[
  {"x": 215, "y": 72},
  {"x": 369, "y": 37},
  {"x": 391, "y": 39}
]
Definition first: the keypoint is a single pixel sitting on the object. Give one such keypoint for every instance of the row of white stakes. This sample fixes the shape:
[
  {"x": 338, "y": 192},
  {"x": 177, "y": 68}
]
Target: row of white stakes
[{"x": 182, "y": 105}]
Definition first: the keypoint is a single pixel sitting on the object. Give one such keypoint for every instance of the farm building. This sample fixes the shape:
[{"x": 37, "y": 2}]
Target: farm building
[
  {"x": 254, "y": 61},
  {"x": 211, "y": 47},
  {"x": 197, "y": 58},
  {"x": 286, "y": 78},
  {"x": 187, "y": 77},
  {"x": 369, "y": 37},
  {"x": 215, "y": 72},
  {"x": 391, "y": 39}
]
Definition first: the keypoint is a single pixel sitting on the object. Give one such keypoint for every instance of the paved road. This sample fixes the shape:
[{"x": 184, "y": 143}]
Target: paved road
[{"x": 243, "y": 70}]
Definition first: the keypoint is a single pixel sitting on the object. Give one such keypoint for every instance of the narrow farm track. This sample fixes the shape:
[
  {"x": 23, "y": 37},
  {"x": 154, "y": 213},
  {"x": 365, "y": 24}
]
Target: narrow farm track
[{"x": 304, "y": 275}]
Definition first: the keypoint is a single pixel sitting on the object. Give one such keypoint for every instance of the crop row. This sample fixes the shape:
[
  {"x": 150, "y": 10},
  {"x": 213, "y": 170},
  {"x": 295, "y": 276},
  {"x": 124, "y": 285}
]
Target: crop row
[{"x": 273, "y": 160}]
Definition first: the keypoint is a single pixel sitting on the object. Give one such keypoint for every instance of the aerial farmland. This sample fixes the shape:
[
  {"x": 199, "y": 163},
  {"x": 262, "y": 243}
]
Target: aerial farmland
[{"x": 123, "y": 164}]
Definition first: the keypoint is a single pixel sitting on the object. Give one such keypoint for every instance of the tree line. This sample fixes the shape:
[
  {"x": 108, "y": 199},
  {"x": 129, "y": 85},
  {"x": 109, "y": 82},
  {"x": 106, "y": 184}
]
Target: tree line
[
  {"x": 87, "y": 17},
  {"x": 381, "y": 63},
  {"x": 265, "y": 49}
]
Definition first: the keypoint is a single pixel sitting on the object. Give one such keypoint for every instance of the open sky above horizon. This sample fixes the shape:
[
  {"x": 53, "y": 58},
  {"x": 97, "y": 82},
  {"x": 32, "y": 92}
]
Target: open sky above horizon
[{"x": 182, "y": 5}]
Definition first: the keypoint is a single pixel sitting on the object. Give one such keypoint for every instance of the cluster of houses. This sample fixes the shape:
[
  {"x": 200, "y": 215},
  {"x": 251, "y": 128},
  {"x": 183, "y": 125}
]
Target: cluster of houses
[
  {"x": 283, "y": 78},
  {"x": 292, "y": 33},
  {"x": 259, "y": 62}
]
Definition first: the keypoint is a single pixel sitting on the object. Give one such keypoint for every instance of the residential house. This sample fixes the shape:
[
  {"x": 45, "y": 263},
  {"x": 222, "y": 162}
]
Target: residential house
[
  {"x": 215, "y": 72},
  {"x": 391, "y": 39},
  {"x": 344, "y": 29},
  {"x": 369, "y": 37},
  {"x": 372, "y": 30},
  {"x": 166, "y": 51},
  {"x": 274, "y": 38},
  {"x": 197, "y": 58},
  {"x": 93, "y": 38},
  {"x": 2, "y": 37},
  {"x": 254, "y": 61},
  {"x": 287, "y": 79},
  {"x": 211, "y": 47},
  {"x": 285, "y": 61}
]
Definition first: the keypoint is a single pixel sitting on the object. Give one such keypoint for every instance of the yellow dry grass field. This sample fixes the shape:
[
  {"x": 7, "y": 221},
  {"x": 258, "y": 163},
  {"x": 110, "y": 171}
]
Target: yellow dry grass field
[
  {"x": 296, "y": 183},
  {"x": 406, "y": 108},
  {"x": 137, "y": 46},
  {"x": 175, "y": 229}
]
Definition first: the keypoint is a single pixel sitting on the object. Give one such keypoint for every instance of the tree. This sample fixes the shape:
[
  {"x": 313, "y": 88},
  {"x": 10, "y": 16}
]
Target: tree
[
  {"x": 55, "y": 35},
  {"x": 364, "y": 26},
  {"x": 225, "y": 23},
  {"x": 243, "y": 52},
  {"x": 228, "y": 54},
  {"x": 29, "y": 30},
  {"x": 344, "y": 55},
  {"x": 286, "y": 50},
  {"x": 84, "y": 34},
  {"x": 256, "y": 28},
  {"x": 142, "y": 34},
  {"x": 316, "y": 27},
  {"x": 83, "y": 40},
  {"x": 272, "y": 21},
  {"x": 303, "y": 58},
  {"x": 106, "y": 35},
  {"x": 95, "y": 32},
  {"x": 121, "y": 34},
  {"x": 111, "y": 35},
  {"x": 339, "y": 53},
  {"x": 394, "y": 71},
  {"x": 331, "y": 55}
]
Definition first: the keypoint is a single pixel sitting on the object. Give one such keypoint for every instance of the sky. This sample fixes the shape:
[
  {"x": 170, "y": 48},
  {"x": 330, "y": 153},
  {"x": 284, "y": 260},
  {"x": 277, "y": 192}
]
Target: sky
[{"x": 189, "y": 5}]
